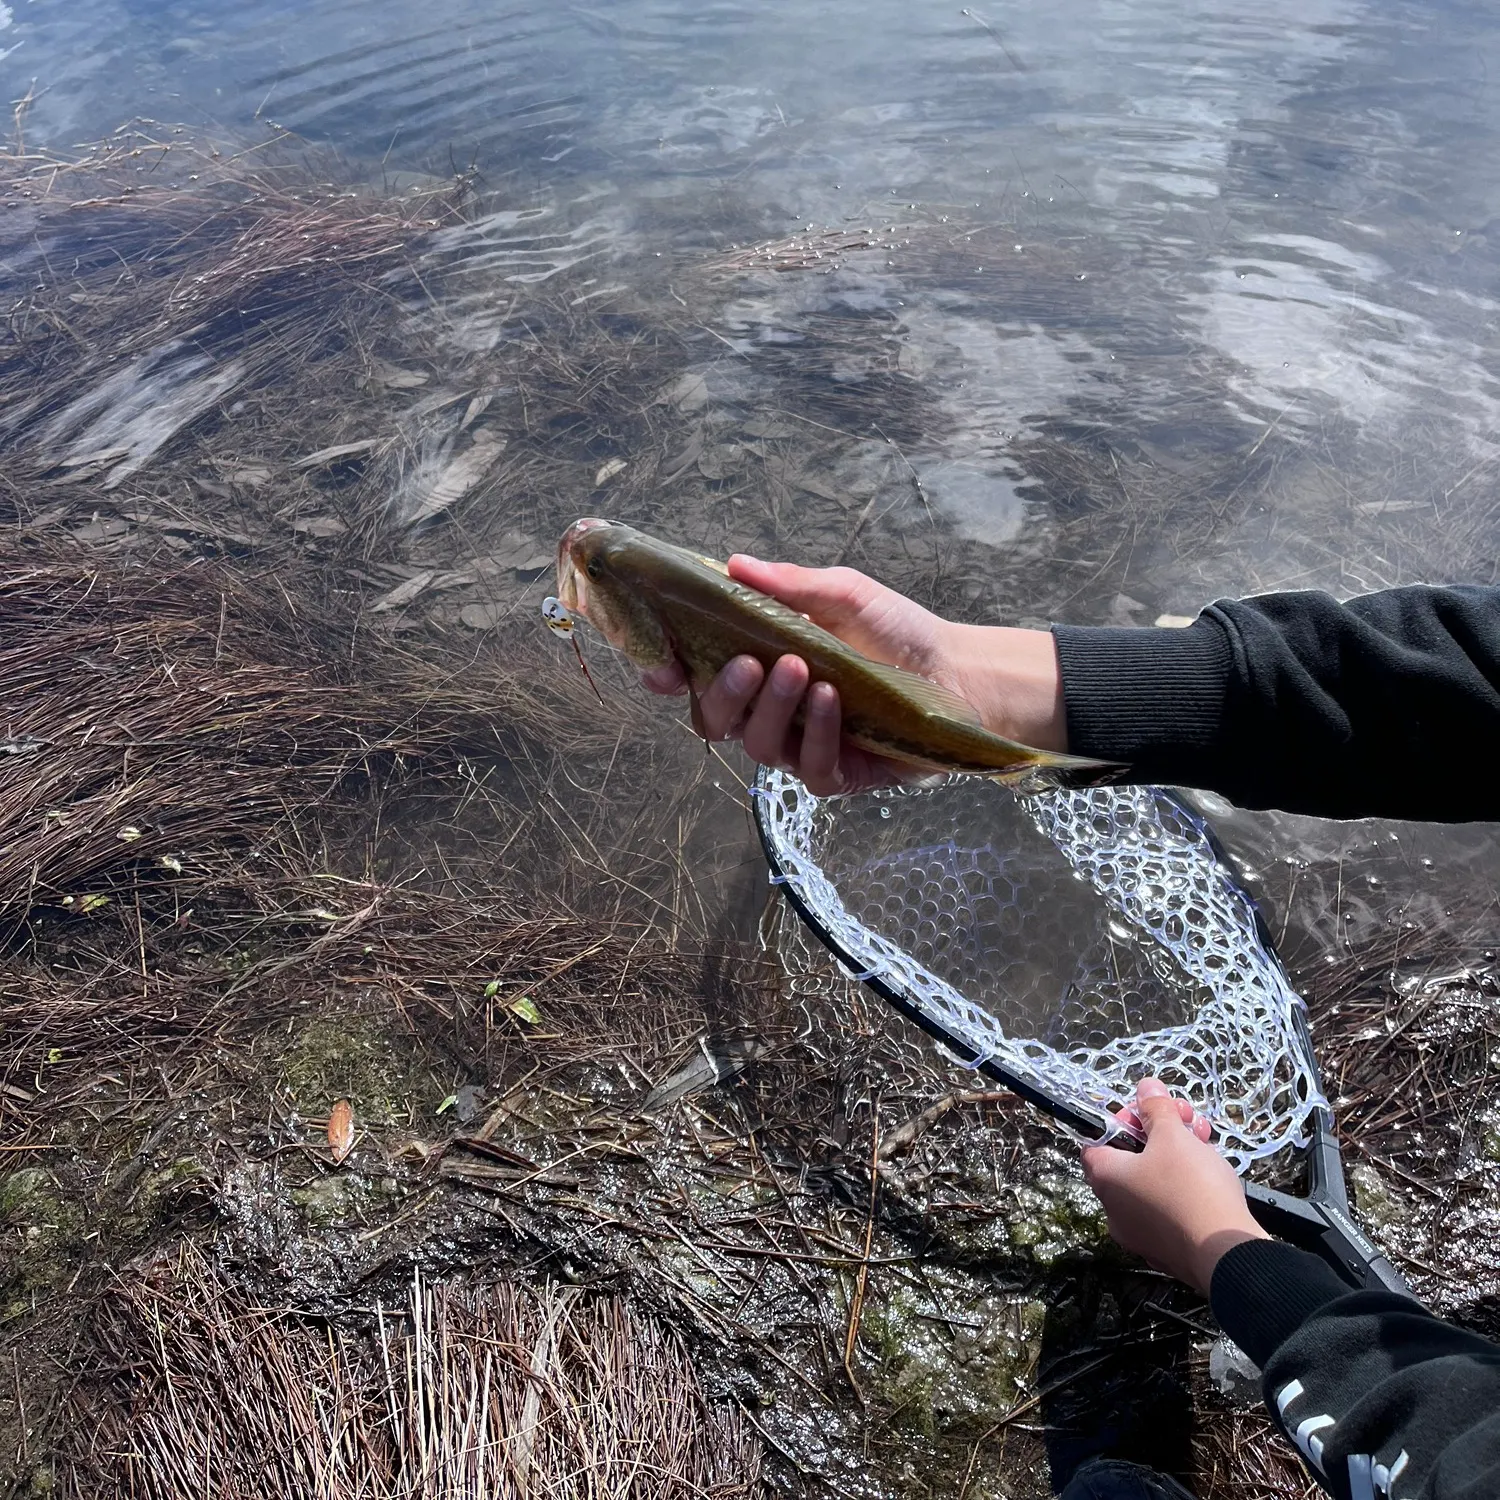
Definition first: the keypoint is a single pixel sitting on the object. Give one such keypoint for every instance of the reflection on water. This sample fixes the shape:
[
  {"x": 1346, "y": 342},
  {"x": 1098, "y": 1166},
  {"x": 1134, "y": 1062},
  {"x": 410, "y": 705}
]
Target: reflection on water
[{"x": 1156, "y": 300}]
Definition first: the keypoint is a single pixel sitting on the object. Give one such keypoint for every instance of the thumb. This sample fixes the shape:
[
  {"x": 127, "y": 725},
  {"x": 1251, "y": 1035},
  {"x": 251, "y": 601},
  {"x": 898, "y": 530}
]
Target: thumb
[
  {"x": 1155, "y": 1106},
  {"x": 831, "y": 596}
]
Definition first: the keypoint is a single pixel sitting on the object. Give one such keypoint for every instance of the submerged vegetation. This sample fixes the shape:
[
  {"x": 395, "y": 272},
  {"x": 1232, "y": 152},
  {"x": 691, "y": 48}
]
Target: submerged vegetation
[{"x": 300, "y": 811}]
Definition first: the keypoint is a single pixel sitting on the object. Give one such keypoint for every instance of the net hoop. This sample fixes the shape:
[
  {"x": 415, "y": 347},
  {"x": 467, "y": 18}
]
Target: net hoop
[{"x": 1242, "y": 1055}]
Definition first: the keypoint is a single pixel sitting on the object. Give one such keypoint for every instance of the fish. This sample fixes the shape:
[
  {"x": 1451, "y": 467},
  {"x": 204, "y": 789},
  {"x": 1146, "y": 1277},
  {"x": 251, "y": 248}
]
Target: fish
[{"x": 661, "y": 604}]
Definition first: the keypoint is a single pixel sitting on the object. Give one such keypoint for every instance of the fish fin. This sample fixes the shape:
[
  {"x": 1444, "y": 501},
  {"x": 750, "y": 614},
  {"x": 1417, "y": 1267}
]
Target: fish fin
[
  {"x": 695, "y": 710},
  {"x": 695, "y": 701},
  {"x": 930, "y": 697},
  {"x": 1055, "y": 772}
]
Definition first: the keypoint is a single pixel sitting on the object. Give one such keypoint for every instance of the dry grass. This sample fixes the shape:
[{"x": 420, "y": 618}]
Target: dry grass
[
  {"x": 501, "y": 1389},
  {"x": 152, "y": 718}
]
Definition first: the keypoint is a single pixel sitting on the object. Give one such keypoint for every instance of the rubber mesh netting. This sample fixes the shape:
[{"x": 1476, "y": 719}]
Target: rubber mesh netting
[{"x": 1077, "y": 940}]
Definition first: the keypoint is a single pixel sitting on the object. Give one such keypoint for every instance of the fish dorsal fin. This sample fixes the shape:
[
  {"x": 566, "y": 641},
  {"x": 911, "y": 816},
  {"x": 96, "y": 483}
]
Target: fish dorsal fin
[{"x": 930, "y": 697}]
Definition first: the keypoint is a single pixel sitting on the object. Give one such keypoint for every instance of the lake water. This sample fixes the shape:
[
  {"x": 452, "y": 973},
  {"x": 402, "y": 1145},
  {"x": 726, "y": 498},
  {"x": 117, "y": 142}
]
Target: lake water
[{"x": 1247, "y": 248}]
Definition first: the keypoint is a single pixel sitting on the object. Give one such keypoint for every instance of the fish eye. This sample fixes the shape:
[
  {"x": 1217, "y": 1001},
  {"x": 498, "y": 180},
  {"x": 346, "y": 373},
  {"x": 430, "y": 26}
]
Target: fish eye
[{"x": 593, "y": 567}]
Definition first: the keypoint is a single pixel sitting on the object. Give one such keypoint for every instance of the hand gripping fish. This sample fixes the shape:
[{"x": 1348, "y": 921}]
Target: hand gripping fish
[{"x": 661, "y": 604}]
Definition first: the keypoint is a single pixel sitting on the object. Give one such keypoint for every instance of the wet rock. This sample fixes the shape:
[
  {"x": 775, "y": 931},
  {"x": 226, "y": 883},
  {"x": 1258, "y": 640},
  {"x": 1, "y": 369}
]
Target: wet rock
[{"x": 1234, "y": 1373}]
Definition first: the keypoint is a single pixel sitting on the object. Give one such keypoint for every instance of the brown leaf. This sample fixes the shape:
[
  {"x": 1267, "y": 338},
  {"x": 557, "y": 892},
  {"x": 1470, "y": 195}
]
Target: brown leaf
[{"x": 341, "y": 1130}]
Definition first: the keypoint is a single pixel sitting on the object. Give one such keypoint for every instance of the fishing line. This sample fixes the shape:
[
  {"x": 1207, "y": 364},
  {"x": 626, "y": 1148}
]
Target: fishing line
[{"x": 560, "y": 620}]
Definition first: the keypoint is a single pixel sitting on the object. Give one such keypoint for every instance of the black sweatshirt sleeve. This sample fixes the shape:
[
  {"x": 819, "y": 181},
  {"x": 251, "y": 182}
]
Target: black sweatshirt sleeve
[
  {"x": 1388, "y": 705},
  {"x": 1383, "y": 1400}
]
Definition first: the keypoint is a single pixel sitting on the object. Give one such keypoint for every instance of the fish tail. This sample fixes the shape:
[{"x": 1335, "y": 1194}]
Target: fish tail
[{"x": 1052, "y": 771}]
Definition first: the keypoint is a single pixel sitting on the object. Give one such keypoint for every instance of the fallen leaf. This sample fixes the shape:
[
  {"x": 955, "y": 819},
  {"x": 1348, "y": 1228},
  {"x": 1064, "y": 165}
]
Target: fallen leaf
[
  {"x": 333, "y": 454},
  {"x": 608, "y": 471},
  {"x": 320, "y": 526},
  {"x": 403, "y": 593},
  {"x": 103, "y": 456},
  {"x": 688, "y": 393},
  {"x": 685, "y": 459},
  {"x": 100, "y": 531},
  {"x": 447, "y": 1104},
  {"x": 461, "y": 579},
  {"x": 128, "y": 835},
  {"x": 394, "y": 378},
  {"x": 433, "y": 495},
  {"x": 479, "y": 616},
  {"x": 476, "y": 408},
  {"x": 341, "y": 1130},
  {"x": 719, "y": 461},
  {"x": 525, "y": 1008}
]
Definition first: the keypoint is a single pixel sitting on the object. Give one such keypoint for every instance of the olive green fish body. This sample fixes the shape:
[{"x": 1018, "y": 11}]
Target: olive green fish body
[{"x": 660, "y": 604}]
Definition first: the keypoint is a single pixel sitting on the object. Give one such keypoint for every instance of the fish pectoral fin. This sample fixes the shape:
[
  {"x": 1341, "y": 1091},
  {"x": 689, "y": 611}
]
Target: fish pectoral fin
[
  {"x": 939, "y": 701},
  {"x": 695, "y": 709}
]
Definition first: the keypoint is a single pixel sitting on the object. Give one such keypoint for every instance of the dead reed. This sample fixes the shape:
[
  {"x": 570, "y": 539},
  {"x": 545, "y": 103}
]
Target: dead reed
[
  {"x": 151, "y": 718},
  {"x": 496, "y": 1389}
]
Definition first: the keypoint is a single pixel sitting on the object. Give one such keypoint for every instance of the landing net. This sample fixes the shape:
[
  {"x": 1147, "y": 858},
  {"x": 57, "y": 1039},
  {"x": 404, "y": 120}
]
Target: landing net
[{"x": 1067, "y": 942}]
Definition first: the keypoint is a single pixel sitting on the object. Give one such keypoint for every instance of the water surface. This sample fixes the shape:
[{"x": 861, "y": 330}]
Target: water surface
[{"x": 1246, "y": 256}]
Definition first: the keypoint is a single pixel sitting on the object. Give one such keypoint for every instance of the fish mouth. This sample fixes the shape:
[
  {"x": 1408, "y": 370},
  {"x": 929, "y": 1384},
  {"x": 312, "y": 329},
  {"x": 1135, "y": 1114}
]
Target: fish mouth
[{"x": 572, "y": 581}]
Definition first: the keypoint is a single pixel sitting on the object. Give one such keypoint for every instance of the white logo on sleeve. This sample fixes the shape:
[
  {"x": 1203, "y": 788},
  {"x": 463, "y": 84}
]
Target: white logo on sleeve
[{"x": 1368, "y": 1480}]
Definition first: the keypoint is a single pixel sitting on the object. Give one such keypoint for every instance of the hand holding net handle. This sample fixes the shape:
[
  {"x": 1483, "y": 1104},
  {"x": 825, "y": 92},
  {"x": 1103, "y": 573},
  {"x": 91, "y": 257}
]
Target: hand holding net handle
[{"x": 1320, "y": 1222}]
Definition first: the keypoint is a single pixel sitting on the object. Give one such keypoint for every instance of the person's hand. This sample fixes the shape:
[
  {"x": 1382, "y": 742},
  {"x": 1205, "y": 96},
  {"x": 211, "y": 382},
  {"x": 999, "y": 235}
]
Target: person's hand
[
  {"x": 1010, "y": 676},
  {"x": 1177, "y": 1204}
]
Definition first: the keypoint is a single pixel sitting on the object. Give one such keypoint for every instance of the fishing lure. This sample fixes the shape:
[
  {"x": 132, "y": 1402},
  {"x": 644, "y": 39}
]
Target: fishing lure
[{"x": 560, "y": 620}]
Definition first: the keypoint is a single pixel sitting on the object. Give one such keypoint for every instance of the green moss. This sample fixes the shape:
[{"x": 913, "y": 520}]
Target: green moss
[
  {"x": 956, "y": 1373},
  {"x": 41, "y": 1230},
  {"x": 1379, "y": 1209},
  {"x": 162, "y": 1193},
  {"x": 362, "y": 1059},
  {"x": 336, "y": 1199},
  {"x": 1056, "y": 1216}
]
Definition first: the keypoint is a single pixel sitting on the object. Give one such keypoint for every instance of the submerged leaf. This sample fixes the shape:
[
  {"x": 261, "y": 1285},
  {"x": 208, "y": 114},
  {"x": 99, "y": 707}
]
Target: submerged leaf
[
  {"x": 341, "y": 1130},
  {"x": 333, "y": 454},
  {"x": 404, "y": 592}
]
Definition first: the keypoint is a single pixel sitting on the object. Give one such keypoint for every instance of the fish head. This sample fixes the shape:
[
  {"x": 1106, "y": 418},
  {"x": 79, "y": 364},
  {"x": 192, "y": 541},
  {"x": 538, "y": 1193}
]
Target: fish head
[{"x": 599, "y": 577}]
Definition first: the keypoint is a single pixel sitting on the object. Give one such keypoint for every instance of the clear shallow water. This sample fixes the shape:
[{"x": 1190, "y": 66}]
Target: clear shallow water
[{"x": 1224, "y": 237}]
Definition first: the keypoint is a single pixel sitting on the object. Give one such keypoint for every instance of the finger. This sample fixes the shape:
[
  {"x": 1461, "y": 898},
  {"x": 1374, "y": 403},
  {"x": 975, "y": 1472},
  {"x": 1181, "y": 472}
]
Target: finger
[
  {"x": 1185, "y": 1110},
  {"x": 1103, "y": 1166},
  {"x": 669, "y": 681},
  {"x": 1202, "y": 1128},
  {"x": 771, "y": 716},
  {"x": 727, "y": 698},
  {"x": 822, "y": 741},
  {"x": 1155, "y": 1105}
]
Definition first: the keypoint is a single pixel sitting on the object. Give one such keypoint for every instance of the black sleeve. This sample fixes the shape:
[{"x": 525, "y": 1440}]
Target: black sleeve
[
  {"x": 1371, "y": 708},
  {"x": 1383, "y": 1400}
]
